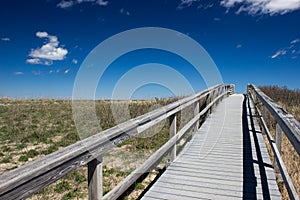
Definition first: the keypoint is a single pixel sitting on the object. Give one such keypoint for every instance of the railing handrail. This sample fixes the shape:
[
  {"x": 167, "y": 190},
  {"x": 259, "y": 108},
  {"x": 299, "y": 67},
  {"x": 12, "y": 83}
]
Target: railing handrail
[
  {"x": 284, "y": 122},
  {"x": 157, "y": 155},
  {"x": 34, "y": 176},
  {"x": 289, "y": 125}
]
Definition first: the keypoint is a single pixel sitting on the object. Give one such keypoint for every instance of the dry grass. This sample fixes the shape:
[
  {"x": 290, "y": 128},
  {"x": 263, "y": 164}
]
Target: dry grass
[
  {"x": 30, "y": 129},
  {"x": 289, "y": 100}
]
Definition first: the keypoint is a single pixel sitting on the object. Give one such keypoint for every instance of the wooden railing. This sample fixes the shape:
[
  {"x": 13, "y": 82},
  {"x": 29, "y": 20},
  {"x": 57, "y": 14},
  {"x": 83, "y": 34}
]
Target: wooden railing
[
  {"x": 286, "y": 123},
  {"x": 31, "y": 178}
]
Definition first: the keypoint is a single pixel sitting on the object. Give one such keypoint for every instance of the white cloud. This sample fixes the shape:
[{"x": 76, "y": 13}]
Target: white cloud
[
  {"x": 67, "y": 71},
  {"x": 257, "y": 7},
  {"x": 6, "y": 39},
  {"x": 102, "y": 2},
  {"x": 33, "y": 61},
  {"x": 82, "y": 1},
  {"x": 217, "y": 19},
  {"x": 295, "y": 41},
  {"x": 230, "y": 3},
  {"x": 53, "y": 71},
  {"x": 185, "y": 4},
  {"x": 67, "y": 4},
  {"x": 41, "y": 34},
  {"x": 18, "y": 73},
  {"x": 48, "y": 52},
  {"x": 238, "y": 46},
  {"x": 289, "y": 51},
  {"x": 203, "y": 5},
  {"x": 124, "y": 12},
  {"x": 75, "y": 61},
  {"x": 278, "y": 53},
  {"x": 282, "y": 6},
  {"x": 39, "y": 61}
]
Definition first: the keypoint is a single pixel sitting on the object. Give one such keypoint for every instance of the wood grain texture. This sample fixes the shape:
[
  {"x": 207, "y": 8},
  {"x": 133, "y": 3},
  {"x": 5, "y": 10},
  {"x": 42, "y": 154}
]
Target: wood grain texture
[
  {"x": 95, "y": 179},
  {"x": 173, "y": 130},
  {"x": 277, "y": 154},
  {"x": 289, "y": 125},
  {"x": 29, "y": 179},
  {"x": 156, "y": 157},
  {"x": 226, "y": 159}
]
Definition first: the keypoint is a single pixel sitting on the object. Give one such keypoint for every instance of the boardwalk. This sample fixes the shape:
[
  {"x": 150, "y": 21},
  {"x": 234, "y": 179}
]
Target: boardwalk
[{"x": 226, "y": 159}]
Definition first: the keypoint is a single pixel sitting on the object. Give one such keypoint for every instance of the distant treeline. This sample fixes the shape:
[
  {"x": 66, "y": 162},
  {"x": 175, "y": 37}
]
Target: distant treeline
[{"x": 282, "y": 94}]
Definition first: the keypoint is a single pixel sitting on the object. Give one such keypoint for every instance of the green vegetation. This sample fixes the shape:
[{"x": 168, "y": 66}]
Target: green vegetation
[
  {"x": 32, "y": 153},
  {"x": 290, "y": 101},
  {"x": 6, "y": 159},
  {"x": 139, "y": 186},
  {"x": 30, "y": 129},
  {"x": 74, "y": 193},
  {"x": 23, "y": 158},
  {"x": 50, "y": 149},
  {"x": 5, "y": 149},
  {"x": 62, "y": 186}
]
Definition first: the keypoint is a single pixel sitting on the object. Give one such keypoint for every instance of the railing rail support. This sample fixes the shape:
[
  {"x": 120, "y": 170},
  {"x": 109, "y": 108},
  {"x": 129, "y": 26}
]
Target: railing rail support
[
  {"x": 284, "y": 123},
  {"x": 278, "y": 142},
  {"x": 196, "y": 111},
  {"x": 95, "y": 176},
  {"x": 173, "y": 127},
  {"x": 26, "y": 180}
]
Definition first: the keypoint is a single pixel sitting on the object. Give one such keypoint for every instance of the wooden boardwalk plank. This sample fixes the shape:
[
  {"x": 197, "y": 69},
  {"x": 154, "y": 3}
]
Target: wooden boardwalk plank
[{"x": 226, "y": 159}]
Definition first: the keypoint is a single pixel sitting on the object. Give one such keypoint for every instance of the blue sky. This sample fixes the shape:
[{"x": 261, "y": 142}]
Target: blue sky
[{"x": 44, "y": 42}]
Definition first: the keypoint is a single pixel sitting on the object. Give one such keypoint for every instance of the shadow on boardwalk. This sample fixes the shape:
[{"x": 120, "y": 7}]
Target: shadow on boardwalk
[{"x": 250, "y": 181}]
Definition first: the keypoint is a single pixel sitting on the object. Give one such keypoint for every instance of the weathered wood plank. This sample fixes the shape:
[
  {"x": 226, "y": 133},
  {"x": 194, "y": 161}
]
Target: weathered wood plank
[
  {"x": 287, "y": 122},
  {"x": 28, "y": 179},
  {"x": 165, "y": 193},
  {"x": 95, "y": 179},
  {"x": 283, "y": 171},
  {"x": 262, "y": 165},
  {"x": 191, "y": 174},
  {"x": 204, "y": 184},
  {"x": 278, "y": 142},
  {"x": 200, "y": 190},
  {"x": 159, "y": 195},
  {"x": 216, "y": 157},
  {"x": 196, "y": 111},
  {"x": 157, "y": 156},
  {"x": 173, "y": 127}
]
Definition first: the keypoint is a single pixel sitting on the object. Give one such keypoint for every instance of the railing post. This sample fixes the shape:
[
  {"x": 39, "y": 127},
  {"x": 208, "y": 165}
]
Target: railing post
[
  {"x": 196, "y": 111},
  {"x": 208, "y": 101},
  {"x": 213, "y": 98},
  {"x": 95, "y": 179},
  {"x": 231, "y": 89},
  {"x": 278, "y": 141},
  {"x": 173, "y": 131},
  {"x": 264, "y": 115},
  {"x": 278, "y": 137}
]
